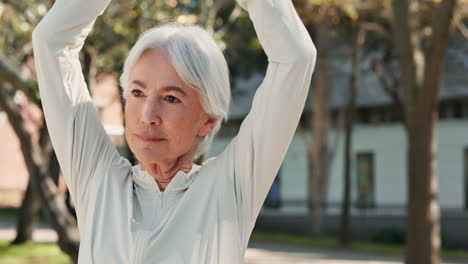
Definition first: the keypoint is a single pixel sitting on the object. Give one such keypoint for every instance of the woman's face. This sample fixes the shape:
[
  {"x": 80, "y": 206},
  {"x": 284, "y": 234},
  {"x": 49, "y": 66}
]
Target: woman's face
[{"x": 164, "y": 118}]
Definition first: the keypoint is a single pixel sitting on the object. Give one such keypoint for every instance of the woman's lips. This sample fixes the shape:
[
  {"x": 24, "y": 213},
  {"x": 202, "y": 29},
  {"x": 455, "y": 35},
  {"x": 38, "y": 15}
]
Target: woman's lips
[{"x": 146, "y": 138}]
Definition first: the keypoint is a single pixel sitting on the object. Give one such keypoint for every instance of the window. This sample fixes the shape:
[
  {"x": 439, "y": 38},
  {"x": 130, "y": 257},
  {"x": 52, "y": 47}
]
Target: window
[
  {"x": 365, "y": 180},
  {"x": 443, "y": 111},
  {"x": 465, "y": 110},
  {"x": 363, "y": 116},
  {"x": 457, "y": 110},
  {"x": 466, "y": 177}
]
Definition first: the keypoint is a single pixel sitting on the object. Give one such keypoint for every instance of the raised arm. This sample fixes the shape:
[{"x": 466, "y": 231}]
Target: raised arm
[
  {"x": 268, "y": 129},
  {"x": 82, "y": 146}
]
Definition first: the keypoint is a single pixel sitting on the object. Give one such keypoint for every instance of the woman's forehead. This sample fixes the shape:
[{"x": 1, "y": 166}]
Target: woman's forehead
[
  {"x": 154, "y": 71},
  {"x": 154, "y": 68}
]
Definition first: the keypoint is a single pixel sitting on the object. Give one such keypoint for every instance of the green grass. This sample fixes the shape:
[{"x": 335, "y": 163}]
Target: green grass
[
  {"x": 294, "y": 239},
  {"x": 362, "y": 246},
  {"x": 33, "y": 252}
]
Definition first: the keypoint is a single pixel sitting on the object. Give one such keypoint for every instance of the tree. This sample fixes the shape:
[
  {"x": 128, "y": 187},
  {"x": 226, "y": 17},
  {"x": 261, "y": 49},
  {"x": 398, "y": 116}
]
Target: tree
[
  {"x": 421, "y": 30},
  {"x": 421, "y": 70},
  {"x": 328, "y": 18},
  {"x": 36, "y": 157},
  {"x": 319, "y": 152},
  {"x": 366, "y": 23},
  {"x": 27, "y": 217},
  {"x": 345, "y": 232}
]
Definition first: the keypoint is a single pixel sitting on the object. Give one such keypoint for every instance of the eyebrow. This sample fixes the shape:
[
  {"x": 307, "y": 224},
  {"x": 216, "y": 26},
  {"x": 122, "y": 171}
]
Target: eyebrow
[{"x": 165, "y": 88}]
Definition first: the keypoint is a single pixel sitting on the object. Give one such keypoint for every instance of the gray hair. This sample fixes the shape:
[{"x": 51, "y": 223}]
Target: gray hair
[{"x": 197, "y": 59}]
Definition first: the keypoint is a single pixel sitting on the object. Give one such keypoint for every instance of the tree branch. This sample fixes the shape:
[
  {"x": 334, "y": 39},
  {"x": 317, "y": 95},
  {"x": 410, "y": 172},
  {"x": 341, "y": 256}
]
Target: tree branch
[
  {"x": 235, "y": 13},
  {"x": 13, "y": 112},
  {"x": 391, "y": 90},
  {"x": 463, "y": 29},
  {"x": 441, "y": 25},
  {"x": 411, "y": 57},
  {"x": 11, "y": 75},
  {"x": 380, "y": 30}
]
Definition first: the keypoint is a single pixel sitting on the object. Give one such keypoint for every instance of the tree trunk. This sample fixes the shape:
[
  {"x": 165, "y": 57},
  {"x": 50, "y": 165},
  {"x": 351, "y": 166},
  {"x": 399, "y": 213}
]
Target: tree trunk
[
  {"x": 28, "y": 215},
  {"x": 421, "y": 82},
  {"x": 423, "y": 228},
  {"x": 345, "y": 233},
  {"x": 319, "y": 152},
  {"x": 38, "y": 160},
  {"x": 59, "y": 217},
  {"x": 36, "y": 157},
  {"x": 54, "y": 168}
]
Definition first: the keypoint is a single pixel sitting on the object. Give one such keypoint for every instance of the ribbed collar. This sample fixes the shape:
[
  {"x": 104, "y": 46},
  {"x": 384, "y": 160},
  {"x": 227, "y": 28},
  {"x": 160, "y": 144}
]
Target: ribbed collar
[{"x": 180, "y": 182}]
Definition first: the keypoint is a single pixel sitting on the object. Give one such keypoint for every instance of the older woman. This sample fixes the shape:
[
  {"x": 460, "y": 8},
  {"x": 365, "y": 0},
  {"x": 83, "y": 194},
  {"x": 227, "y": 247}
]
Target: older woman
[{"x": 175, "y": 82}]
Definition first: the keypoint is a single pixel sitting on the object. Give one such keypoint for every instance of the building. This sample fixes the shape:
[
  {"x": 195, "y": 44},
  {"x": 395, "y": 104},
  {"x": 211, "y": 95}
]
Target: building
[{"x": 379, "y": 165}]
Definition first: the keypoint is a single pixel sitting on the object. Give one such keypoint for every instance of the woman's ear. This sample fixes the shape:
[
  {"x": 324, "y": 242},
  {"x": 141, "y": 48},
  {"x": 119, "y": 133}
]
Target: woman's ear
[{"x": 207, "y": 126}]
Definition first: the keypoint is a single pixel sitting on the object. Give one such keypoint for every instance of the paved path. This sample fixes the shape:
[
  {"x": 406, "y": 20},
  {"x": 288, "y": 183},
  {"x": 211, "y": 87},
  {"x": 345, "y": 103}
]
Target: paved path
[
  {"x": 258, "y": 252},
  {"x": 42, "y": 232},
  {"x": 275, "y": 253},
  {"x": 263, "y": 253}
]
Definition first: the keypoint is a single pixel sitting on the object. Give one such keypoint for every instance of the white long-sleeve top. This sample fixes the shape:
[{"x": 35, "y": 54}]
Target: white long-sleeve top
[{"x": 204, "y": 216}]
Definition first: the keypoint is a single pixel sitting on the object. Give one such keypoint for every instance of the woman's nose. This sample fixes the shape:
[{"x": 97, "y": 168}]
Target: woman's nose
[{"x": 151, "y": 113}]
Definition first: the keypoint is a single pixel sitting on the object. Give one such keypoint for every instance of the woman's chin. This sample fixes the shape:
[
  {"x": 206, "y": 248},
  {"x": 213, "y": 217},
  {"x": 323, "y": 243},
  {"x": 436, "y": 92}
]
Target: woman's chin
[{"x": 146, "y": 155}]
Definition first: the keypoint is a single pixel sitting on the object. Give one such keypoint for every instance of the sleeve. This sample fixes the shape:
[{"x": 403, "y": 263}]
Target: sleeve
[
  {"x": 79, "y": 139},
  {"x": 266, "y": 133}
]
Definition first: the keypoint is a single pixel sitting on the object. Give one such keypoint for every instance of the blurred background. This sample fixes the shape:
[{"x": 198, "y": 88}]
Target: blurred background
[{"x": 376, "y": 173}]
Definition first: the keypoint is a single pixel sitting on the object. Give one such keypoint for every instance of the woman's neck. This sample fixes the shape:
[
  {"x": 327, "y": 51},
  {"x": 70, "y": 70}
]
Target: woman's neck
[{"x": 164, "y": 172}]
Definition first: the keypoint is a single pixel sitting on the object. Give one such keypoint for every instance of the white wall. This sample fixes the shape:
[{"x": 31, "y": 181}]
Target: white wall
[
  {"x": 388, "y": 143},
  {"x": 453, "y": 139}
]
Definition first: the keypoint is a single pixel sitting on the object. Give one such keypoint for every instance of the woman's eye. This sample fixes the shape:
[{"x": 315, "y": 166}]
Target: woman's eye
[
  {"x": 171, "y": 99},
  {"x": 137, "y": 93}
]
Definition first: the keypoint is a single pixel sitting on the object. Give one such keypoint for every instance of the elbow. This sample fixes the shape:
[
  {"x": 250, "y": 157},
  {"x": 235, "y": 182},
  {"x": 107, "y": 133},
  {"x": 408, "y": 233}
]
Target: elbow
[
  {"x": 307, "y": 52},
  {"x": 310, "y": 52}
]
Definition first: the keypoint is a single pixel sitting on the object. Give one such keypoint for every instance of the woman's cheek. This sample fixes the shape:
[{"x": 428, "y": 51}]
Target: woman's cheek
[{"x": 175, "y": 116}]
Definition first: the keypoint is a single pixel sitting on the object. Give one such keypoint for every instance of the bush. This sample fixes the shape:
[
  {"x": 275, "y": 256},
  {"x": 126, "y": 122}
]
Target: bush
[{"x": 388, "y": 236}]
